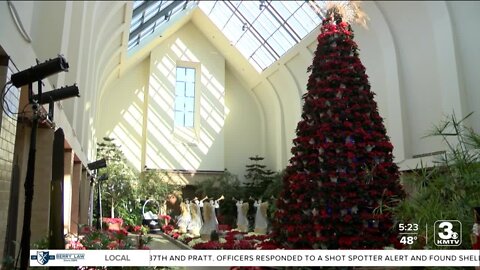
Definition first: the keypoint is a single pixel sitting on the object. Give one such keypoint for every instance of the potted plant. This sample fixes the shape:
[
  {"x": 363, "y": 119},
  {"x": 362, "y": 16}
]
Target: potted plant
[{"x": 113, "y": 224}]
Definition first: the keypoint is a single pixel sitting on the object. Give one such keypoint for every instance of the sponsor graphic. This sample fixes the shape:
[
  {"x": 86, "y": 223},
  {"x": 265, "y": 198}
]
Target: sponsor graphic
[
  {"x": 70, "y": 257},
  {"x": 42, "y": 257}
]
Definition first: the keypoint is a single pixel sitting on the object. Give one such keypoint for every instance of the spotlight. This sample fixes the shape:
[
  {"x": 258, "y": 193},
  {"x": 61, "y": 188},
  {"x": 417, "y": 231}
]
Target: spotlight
[
  {"x": 101, "y": 163},
  {"x": 40, "y": 71},
  {"x": 58, "y": 94}
]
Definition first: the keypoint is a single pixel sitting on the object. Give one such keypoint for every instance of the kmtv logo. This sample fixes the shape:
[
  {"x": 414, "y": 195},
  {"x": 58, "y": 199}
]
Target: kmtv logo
[{"x": 448, "y": 233}]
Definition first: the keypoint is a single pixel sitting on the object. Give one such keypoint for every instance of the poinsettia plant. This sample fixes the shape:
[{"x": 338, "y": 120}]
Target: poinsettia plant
[
  {"x": 167, "y": 229},
  {"x": 91, "y": 238},
  {"x": 232, "y": 240},
  {"x": 105, "y": 239},
  {"x": 113, "y": 220},
  {"x": 137, "y": 229}
]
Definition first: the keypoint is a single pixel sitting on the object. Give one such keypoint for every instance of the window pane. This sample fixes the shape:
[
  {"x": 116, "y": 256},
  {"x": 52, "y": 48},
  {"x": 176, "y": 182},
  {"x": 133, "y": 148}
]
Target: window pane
[
  {"x": 277, "y": 47},
  {"x": 207, "y": 6},
  {"x": 190, "y": 76},
  {"x": 180, "y": 104},
  {"x": 281, "y": 41},
  {"x": 137, "y": 19},
  {"x": 291, "y": 6},
  {"x": 249, "y": 9},
  {"x": 263, "y": 57},
  {"x": 146, "y": 30},
  {"x": 180, "y": 89},
  {"x": 137, "y": 3},
  {"x": 189, "y": 119},
  {"x": 267, "y": 25},
  {"x": 295, "y": 24},
  {"x": 185, "y": 97},
  {"x": 151, "y": 11},
  {"x": 180, "y": 74},
  {"x": 179, "y": 118},
  {"x": 233, "y": 30},
  {"x": 220, "y": 14},
  {"x": 189, "y": 104},
  {"x": 190, "y": 89}
]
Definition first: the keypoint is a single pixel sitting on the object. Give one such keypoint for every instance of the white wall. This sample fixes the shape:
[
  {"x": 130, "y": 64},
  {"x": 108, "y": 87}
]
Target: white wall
[
  {"x": 89, "y": 35},
  {"x": 137, "y": 110},
  {"x": 121, "y": 113},
  {"x": 465, "y": 20},
  {"x": 243, "y": 126},
  {"x": 46, "y": 33},
  {"x": 42, "y": 47},
  {"x": 171, "y": 147}
]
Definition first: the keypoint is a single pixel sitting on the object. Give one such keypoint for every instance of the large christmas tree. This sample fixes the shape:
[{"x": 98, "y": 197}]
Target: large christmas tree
[{"x": 342, "y": 166}]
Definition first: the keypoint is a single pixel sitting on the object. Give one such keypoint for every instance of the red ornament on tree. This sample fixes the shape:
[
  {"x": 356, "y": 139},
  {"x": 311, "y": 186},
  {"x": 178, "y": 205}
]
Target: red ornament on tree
[{"x": 342, "y": 165}]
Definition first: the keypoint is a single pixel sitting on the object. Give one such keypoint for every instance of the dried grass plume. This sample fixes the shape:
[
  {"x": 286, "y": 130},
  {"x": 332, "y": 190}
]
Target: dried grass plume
[{"x": 349, "y": 10}]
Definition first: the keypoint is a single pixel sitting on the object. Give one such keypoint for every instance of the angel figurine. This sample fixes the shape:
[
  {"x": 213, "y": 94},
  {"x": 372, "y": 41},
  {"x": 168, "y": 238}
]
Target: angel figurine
[
  {"x": 242, "y": 211},
  {"x": 210, "y": 222},
  {"x": 196, "y": 217},
  {"x": 261, "y": 216},
  {"x": 185, "y": 217}
]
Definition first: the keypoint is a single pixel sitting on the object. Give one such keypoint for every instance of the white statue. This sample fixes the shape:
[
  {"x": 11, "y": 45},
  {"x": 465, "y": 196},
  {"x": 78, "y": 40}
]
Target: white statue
[
  {"x": 242, "y": 210},
  {"x": 185, "y": 218},
  {"x": 210, "y": 222},
  {"x": 196, "y": 214},
  {"x": 261, "y": 216}
]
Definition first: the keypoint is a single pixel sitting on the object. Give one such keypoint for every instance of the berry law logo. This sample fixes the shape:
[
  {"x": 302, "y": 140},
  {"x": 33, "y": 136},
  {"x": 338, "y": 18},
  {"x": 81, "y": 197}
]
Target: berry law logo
[
  {"x": 448, "y": 233},
  {"x": 42, "y": 257}
]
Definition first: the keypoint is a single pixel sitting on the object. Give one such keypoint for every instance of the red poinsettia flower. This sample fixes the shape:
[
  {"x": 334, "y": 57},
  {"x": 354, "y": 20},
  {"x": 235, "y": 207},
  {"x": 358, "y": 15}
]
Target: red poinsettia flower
[
  {"x": 112, "y": 245},
  {"x": 167, "y": 229},
  {"x": 113, "y": 220}
]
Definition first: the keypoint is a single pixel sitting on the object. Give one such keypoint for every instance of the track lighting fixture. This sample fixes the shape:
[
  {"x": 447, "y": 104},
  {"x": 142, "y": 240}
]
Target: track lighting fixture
[{"x": 40, "y": 71}]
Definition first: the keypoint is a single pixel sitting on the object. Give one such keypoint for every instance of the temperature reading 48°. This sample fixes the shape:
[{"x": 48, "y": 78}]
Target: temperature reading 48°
[{"x": 408, "y": 239}]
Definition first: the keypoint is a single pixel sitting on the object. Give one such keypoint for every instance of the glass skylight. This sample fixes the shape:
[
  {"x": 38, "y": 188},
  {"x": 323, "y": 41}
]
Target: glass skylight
[
  {"x": 264, "y": 30},
  {"x": 261, "y": 30},
  {"x": 148, "y": 16}
]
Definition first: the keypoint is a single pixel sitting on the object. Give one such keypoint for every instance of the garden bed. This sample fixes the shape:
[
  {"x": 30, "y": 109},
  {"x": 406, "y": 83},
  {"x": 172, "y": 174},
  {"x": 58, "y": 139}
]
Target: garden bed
[{"x": 231, "y": 239}]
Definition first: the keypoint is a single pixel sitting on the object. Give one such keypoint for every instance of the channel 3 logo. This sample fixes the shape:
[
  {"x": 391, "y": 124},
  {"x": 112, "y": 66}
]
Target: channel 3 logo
[{"x": 448, "y": 233}]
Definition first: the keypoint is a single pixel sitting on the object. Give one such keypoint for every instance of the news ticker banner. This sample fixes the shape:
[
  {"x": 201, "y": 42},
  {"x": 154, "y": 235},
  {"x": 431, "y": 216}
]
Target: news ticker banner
[{"x": 455, "y": 258}]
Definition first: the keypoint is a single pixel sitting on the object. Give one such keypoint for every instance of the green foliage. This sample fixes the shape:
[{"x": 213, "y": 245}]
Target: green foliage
[
  {"x": 124, "y": 192},
  {"x": 272, "y": 191},
  {"x": 449, "y": 190},
  {"x": 155, "y": 184},
  {"x": 118, "y": 191},
  {"x": 258, "y": 177},
  {"x": 8, "y": 263},
  {"x": 227, "y": 185},
  {"x": 41, "y": 244},
  {"x": 275, "y": 186}
]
